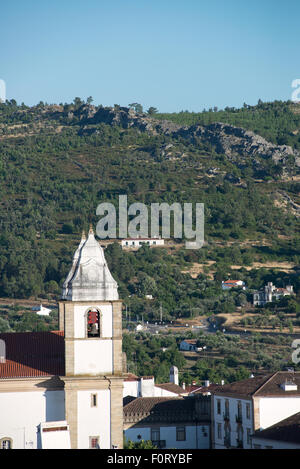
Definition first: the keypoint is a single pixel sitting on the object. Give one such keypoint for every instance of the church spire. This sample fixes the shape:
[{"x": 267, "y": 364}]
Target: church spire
[{"x": 89, "y": 277}]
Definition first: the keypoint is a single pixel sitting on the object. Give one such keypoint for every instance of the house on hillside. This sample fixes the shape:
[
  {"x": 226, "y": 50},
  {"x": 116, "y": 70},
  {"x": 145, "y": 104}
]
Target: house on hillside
[
  {"x": 136, "y": 243},
  {"x": 188, "y": 345},
  {"x": 228, "y": 284},
  {"x": 271, "y": 293}
]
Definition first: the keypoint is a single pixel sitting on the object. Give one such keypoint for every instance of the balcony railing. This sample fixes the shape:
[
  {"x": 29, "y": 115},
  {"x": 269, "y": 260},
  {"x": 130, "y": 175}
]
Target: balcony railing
[
  {"x": 227, "y": 442},
  {"x": 238, "y": 418},
  {"x": 226, "y": 416}
]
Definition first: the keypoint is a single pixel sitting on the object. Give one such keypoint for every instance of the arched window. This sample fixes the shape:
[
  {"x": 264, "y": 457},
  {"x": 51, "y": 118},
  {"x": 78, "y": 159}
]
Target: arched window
[
  {"x": 93, "y": 323},
  {"x": 6, "y": 443}
]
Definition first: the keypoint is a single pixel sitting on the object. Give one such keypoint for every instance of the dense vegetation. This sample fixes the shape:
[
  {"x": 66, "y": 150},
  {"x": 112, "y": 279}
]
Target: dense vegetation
[
  {"x": 53, "y": 176},
  {"x": 52, "y": 180}
]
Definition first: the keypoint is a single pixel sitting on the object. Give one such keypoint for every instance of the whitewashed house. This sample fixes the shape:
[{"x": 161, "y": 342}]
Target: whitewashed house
[
  {"x": 136, "y": 243},
  {"x": 241, "y": 408},
  {"x": 175, "y": 423},
  {"x": 144, "y": 386}
]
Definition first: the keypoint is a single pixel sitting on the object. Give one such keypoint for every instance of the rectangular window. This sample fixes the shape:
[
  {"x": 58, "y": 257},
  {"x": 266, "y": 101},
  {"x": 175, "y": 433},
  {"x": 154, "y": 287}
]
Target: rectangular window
[
  {"x": 94, "y": 442},
  {"x": 218, "y": 406},
  {"x": 155, "y": 434},
  {"x": 219, "y": 431},
  {"x": 248, "y": 411},
  {"x": 180, "y": 434},
  {"x": 94, "y": 400},
  {"x": 248, "y": 436}
]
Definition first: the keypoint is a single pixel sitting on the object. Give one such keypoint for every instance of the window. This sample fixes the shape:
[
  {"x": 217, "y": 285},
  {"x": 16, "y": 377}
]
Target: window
[
  {"x": 155, "y": 434},
  {"x": 248, "y": 436},
  {"x": 94, "y": 442},
  {"x": 218, "y": 406},
  {"x": 6, "y": 443},
  {"x": 180, "y": 434},
  {"x": 94, "y": 400},
  {"x": 93, "y": 323},
  {"x": 248, "y": 411},
  {"x": 227, "y": 408},
  {"x": 219, "y": 431}
]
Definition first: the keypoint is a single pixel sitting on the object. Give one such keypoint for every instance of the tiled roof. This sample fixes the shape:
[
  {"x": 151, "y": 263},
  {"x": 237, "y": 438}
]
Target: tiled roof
[
  {"x": 33, "y": 354},
  {"x": 267, "y": 385},
  {"x": 171, "y": 387},
  {"x": 287, "y": 430},
  {"x": 161, "y": 408}
]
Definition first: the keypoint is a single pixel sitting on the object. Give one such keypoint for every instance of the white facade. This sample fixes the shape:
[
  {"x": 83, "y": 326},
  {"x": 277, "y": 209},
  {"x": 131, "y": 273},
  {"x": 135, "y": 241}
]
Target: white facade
[
  {"x": 136, "y": 243},
  {"x": 89, "y": 352},
  {"x": 238, "y": 425},
  {"x": 275, "y": 409},
  {"x": 145, "y": 387},
  {"x": 22, "y": 413},
  {"x": 225, "y": 423},
  {"x": 94, "y": 420},
  {"x": 196, "y": 436}
]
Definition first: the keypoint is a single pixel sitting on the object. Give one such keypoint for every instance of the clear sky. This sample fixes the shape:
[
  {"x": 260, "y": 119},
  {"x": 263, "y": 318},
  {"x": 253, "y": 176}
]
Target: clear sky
[{"x": 172, "y": 54}]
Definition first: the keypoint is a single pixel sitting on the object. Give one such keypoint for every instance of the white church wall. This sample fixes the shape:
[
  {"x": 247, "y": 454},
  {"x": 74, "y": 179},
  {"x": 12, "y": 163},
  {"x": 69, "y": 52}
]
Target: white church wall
[
  {"x": 89, "y": 354},
  {"x": 22, "y": 412},
  {"x": 94, "y": 421}
]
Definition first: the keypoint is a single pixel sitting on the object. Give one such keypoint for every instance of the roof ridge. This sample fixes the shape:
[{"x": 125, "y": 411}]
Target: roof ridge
[{"x": 267, "y": 381}]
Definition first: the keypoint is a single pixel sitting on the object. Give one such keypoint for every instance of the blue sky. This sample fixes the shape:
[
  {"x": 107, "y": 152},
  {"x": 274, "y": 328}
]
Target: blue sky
[{"x": 172, "y": 54}]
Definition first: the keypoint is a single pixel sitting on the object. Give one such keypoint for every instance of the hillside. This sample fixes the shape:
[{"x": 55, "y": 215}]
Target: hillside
[{"x": 58, "y": 162}]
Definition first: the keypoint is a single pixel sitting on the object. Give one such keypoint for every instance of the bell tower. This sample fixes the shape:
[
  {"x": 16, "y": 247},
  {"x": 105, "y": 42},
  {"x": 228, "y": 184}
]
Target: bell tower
[{"x": 90, "y": 313}]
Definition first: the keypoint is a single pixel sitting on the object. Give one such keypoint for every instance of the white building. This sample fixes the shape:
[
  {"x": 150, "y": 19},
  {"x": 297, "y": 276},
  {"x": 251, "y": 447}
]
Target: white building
[
  {"x": 176, "y": 423},
  {"x": 271, "y": 293},
  {"x": 241, "y": 408},
  {"x": 42, "y": 311},
  {"x": 136, "y": 243},
  {"x": 69, "y": 382},
  {"x": 144, "y": 386}
]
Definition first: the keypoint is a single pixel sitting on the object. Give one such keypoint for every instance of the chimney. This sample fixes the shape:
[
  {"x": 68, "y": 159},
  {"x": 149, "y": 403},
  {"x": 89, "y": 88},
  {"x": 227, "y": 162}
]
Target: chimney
[
  {"x": 206, "y": 383},
  {"x": 2, "y": 351},
  {"x": 183, "y": 385},
  {"x": 174, "y": 375}
]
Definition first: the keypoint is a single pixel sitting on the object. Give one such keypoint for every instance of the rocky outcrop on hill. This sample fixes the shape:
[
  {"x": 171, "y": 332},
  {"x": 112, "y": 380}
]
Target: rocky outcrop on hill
[{"x": 224, "y": 138}]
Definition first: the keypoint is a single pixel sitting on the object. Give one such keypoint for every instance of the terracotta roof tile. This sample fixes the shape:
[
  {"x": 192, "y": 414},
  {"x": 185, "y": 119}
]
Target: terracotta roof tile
[
  {"x": 33, "y": 354},
  {"x": 267, "y": 385},
  {"x": 171, "y": 387}
]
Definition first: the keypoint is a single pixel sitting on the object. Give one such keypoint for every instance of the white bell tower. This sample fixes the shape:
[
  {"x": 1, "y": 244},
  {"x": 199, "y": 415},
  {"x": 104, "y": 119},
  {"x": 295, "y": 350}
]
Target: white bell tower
[{"x": 90, "y": 313}]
